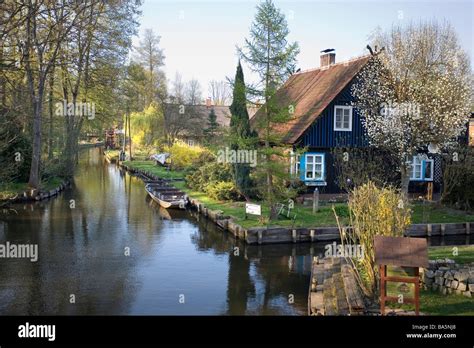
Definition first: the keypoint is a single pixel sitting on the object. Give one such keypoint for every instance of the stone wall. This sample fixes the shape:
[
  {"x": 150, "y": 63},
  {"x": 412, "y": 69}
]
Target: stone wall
[{"x": 447, "y": 277}]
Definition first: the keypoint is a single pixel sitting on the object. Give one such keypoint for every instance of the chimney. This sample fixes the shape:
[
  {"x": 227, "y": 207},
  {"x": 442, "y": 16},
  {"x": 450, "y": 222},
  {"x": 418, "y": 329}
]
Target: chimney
[
  {"x": 208, "y": 103},
  {"x": 328, "y": 57}
]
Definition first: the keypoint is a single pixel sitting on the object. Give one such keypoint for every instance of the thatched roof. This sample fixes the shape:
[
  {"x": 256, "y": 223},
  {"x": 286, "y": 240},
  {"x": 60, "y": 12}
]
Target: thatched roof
[{"x": 310, "y": 92}]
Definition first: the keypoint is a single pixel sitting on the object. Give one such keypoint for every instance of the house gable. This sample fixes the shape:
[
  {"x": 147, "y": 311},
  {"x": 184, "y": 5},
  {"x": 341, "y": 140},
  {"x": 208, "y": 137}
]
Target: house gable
[{"x": 322, "y": 133}]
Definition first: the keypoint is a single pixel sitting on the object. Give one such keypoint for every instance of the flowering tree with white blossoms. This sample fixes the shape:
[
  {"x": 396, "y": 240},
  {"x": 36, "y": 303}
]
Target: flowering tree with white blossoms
[{"x": 417, "y": 90}]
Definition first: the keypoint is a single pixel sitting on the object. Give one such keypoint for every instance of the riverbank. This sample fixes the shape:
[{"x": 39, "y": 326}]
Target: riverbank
[
  {"x": 20, "y": 192},
  {"x": 428, "y": 219}
]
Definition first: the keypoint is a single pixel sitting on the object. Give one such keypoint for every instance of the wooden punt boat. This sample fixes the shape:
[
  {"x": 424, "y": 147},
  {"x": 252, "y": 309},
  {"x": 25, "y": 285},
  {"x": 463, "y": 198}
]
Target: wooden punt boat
[{"x": 167, "y": 196}]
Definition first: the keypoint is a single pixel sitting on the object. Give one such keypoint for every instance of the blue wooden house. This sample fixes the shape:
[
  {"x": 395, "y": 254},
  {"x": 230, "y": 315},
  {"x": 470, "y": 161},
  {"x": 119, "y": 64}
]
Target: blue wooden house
[{"x": 324, "y": 119}]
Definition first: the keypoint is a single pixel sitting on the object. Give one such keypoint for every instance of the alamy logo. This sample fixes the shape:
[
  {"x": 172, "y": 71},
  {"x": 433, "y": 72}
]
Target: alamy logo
[
  {"x": 79, "y": 109},
  {"x": 392, "y": 109},
  {"x": 346, "y": 250},
  {"x": 237, "y": 156},
  {"x": 37, "y": 331},
  {"x": 20, "y": 251}
]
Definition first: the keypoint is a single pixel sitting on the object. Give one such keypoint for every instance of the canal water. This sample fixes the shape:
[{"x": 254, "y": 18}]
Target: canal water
[{"x": 178, "y": 262}]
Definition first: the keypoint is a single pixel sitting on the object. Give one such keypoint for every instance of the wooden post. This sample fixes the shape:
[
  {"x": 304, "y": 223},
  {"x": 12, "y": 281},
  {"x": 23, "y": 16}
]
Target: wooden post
[
  {"x": 293, "y": 235},
  {"x": 417, "y": 291},
  {"x": 429, "y": 229},
  {"x": 311, "y": 234},
  {"x": 259, "y": 233},
  {"x": 443, "y": 229},
  {"x": 468, "y": 228},
  {"x": 430, "y": 191},
  {"x": 315, "y": 200},
  {"x": 382, "y": 289}
]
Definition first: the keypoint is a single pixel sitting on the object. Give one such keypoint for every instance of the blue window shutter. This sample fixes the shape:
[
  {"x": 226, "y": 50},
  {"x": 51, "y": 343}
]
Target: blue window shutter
[
  {"x": 323, "y": 161},
  {"x": 423, "y": 170},
  {"x": 302, "y": 166}
]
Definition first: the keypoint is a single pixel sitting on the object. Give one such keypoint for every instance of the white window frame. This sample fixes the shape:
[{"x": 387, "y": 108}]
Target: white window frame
[
  {"x": 419, "y": 161},
  {"x": 190, "y": 142},
  {"x": 314, "y": 178},
  {"x": 343, "y": 107},
  {"x": 297, "y": 165}
]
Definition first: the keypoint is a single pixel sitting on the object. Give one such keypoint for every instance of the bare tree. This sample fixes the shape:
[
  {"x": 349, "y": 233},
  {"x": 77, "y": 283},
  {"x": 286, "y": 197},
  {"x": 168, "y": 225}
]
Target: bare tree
[
  {"x": 178, "y": 89},
  {"x": 220, "y": 92},
  {"x": 151, "y": 57},
  {"x": 193, "y": 92}
]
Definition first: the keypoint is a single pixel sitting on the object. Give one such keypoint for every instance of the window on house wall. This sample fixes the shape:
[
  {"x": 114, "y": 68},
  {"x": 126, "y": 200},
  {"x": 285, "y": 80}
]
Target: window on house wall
[
  {"x": 422, "y": 169},
  {"x": 314, "y": 169},
  {"x": 294, "y": 163},
  {"x": 190, "y": 142},
  {"x": 343, "y": 118}
]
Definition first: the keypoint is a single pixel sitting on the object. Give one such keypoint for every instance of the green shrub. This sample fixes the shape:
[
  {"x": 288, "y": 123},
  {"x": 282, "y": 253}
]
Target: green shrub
[
  {"x": 54, "y": 168},
  {"x": 182, "y": 155},
  {"x": 210, "y": 172},
  {"x": 458, "y": 180},
  {"x": 212, "y": 178},
  {"x": 342, "y": 210},
  {"x": 222, "y": 190}
]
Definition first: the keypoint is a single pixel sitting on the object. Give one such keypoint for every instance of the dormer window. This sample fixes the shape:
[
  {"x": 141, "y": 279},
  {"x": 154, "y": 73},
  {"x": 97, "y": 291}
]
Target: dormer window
[{"x": 342, "y": 118}]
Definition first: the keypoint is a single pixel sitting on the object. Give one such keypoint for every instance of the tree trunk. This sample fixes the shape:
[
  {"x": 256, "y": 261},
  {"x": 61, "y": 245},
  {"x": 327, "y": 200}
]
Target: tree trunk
[
  {"x": 129, "y": 135},
  {"x": 34, "y": 179},
  {"x": 50, "y": 131},
  {"x": 405, "y": 180}
]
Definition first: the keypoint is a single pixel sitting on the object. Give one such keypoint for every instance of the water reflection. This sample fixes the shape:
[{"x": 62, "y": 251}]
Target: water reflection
[{"x": 83, "y": 236}]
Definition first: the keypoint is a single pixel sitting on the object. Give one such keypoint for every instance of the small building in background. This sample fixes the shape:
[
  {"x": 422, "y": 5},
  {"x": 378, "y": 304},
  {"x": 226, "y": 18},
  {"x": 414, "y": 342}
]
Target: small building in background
[{"x": 189, "y": 122}]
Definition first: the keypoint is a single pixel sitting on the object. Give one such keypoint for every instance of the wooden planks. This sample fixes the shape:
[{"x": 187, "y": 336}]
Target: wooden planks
[{"x": 352, "y": 291}]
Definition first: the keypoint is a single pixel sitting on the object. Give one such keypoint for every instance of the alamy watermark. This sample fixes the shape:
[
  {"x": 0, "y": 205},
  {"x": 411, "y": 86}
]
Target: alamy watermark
[
  {"x": 20, "y": 251},
  {"x": 78, "y": 109},
  {"x": 228, "y": 155},
  {"x": 344, "y": 250},
  {"x": 400, "y": 109}
]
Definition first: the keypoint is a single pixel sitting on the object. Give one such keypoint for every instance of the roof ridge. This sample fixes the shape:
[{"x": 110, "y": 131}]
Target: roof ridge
[{"x": 350, "y": 60}]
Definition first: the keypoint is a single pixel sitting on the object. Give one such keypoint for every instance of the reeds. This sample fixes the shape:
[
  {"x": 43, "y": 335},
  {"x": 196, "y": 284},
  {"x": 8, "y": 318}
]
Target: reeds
[{"x": 373, "y": 211}]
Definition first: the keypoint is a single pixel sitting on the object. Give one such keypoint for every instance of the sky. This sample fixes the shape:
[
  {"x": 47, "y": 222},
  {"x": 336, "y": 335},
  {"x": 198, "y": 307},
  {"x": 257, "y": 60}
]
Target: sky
[{"x": 199, "y": 38}]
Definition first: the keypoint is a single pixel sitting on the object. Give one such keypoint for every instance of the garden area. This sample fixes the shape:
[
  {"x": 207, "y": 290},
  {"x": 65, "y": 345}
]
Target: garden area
[{"x": 212, "y": 184}]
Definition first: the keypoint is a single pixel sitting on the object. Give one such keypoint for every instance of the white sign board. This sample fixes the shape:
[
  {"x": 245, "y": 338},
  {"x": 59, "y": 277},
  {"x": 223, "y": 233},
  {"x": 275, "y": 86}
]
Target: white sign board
[{"x": 253, "y": 209}]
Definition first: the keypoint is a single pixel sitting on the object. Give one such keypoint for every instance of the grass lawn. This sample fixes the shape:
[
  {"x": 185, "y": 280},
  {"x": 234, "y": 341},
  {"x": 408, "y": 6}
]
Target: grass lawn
[
  {"x": 304, "y": 214},
  {"x": 465, "y": 253},
  {"x": 433, "y": 213},
  {"x": 151, "y": 167},
  {"x": 325, "y": 216},
  {"x": 9, "y": 190},
  {"x": 436, "y": 213},
  {"x": 435, "y": 303}
]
